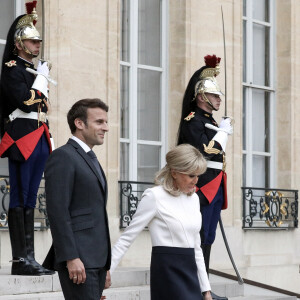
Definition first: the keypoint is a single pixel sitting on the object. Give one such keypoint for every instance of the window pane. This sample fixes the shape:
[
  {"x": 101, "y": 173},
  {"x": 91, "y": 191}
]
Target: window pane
[
  {"x": 124, "y": 102},
  {"x": 6, "y": 17},
  {"x": 149, "y": 110},
  {"x": 260, "y": 120},
  {"x": 261, "y": 55},
  {"x": 260, "y": 10},
  {"x": 244, "y": 52},
  {"x": 3, "y": 167},
  {"x": 148, "y": 162},
  {"x": 1, "y": 52},
  {"x": 244, "y": 8},
  {"x": 124, "y": 161},
  {"x": 125, "y": 33},
  {"x": 149, "y": 52},
  {"x": 260, "y": 171},
  {"x": 244, "y": 170},
  {"x": 244, "y": 118}
]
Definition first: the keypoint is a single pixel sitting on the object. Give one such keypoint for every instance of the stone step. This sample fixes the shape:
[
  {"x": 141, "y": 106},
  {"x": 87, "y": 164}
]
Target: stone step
[
  {"x": 124, "y": 277},
  {"x": 35, "y": 296},
  {"x": 14, "y": 284},
  {"x": 128, "y": 293},
  {"x": 261, "y": 297},
  {"x": 225, "y": 287},
  {"x": 127, "y": 284}
]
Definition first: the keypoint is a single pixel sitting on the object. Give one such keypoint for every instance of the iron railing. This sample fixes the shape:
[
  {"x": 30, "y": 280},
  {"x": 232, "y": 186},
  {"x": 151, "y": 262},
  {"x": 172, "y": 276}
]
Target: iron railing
[
  {"x": 41, "y": 221},
  {"x": 130, "y": 195},
  {"x": 269, "y": 208}
]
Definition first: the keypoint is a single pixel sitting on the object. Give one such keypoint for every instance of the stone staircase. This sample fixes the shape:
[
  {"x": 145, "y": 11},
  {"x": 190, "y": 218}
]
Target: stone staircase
[{"x": 127, "y": 284}]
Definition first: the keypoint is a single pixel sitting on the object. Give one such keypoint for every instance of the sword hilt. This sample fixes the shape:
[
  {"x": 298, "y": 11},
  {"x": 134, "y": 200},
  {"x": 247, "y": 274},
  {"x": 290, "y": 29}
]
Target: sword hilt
[{"x": 37, "y": 73}]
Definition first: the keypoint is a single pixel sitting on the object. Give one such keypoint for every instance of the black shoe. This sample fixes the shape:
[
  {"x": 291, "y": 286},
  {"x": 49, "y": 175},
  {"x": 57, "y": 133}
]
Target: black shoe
[
  {"x": 22, "y": 266},
  {"x": 214, "y": 296},
  {"x": 39, "y": 267}
]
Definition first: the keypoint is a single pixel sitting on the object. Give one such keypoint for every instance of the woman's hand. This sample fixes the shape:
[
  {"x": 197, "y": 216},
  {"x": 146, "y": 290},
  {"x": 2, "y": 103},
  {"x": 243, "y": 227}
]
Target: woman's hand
[{"x": 207, "y": 295}]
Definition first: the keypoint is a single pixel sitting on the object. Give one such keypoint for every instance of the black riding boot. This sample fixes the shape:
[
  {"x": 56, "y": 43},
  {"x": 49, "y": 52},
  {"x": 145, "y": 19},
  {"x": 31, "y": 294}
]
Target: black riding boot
[
  {"x": 206, "y": 254},
  {"x": 20, "y": 263},
  {"x": 29, "y": 237}
]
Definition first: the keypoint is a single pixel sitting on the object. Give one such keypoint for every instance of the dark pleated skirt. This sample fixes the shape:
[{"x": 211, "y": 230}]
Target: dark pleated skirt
[{"x": 174, "y": 274}]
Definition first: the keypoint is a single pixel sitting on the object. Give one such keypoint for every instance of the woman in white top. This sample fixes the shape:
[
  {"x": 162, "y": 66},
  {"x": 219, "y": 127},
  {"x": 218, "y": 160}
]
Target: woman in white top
[{"x": 172, "y": 213}]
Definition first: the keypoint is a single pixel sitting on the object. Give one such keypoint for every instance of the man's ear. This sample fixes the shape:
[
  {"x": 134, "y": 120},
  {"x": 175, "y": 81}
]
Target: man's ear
[
  {"x": 18, "y": 46},
  {"x": 199, "y": 99},
  {"x": 79, "y": 123}
]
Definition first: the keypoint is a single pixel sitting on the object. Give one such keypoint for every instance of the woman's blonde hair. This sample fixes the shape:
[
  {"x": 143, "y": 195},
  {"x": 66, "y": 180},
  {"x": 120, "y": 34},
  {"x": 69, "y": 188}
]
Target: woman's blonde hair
[{"x": 185, "y": 159}]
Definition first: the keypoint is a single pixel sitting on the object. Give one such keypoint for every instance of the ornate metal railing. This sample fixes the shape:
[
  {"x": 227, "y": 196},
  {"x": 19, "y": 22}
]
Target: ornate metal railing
[
  {"x": 41, "y": 219},
  {"x": 130, "y": 195},
  {"x": 270, "y": 208}
]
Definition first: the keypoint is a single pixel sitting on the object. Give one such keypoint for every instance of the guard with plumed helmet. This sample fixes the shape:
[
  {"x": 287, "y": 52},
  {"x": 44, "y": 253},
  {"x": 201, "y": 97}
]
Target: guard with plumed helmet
[
  {"x": 25, "y": 135},
  {"x": 199, "y": 128}
]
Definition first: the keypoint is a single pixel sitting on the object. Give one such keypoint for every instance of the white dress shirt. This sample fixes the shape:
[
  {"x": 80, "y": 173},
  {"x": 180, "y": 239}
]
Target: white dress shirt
[
  {"x": 82, "y": 144},
  {"x": 172, "y": 222}
]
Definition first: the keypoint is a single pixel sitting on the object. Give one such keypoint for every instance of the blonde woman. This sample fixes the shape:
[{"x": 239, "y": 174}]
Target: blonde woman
[{"x": 172, "y": 213}]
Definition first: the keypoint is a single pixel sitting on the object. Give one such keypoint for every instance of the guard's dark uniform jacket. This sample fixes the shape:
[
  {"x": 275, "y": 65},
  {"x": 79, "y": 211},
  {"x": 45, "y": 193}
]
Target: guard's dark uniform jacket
[
  {"x": 195, "y": 133},
  {"x": 22, "y": 134}
]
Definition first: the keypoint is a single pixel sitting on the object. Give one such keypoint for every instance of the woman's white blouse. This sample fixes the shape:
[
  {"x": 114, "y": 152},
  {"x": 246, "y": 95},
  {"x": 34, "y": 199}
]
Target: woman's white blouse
[{"x": 172, "y": 222}]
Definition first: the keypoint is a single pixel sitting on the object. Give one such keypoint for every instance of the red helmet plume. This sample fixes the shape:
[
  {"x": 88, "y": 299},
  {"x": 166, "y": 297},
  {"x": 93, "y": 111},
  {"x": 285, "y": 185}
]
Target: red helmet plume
[
  {"x": 30, "y": 7},
  {"x": 212, "y": 61}
]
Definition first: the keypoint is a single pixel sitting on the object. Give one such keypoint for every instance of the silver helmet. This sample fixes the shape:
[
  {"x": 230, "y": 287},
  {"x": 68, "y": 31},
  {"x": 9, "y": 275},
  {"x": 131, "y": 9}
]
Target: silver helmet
[
  {"x": 207, "y": 80},
  {"x": 25, "y": 29}
]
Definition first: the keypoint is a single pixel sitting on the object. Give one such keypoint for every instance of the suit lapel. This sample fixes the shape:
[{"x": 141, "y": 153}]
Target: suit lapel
[{"x": 87, "y": 159}]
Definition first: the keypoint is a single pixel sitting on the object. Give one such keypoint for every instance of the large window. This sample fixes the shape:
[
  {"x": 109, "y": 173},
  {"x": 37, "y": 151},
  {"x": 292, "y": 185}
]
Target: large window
[
  {"x": 9, "y": 10},
  {"x": 258, "y": 93},
  {"x": 143, "y": 88}
]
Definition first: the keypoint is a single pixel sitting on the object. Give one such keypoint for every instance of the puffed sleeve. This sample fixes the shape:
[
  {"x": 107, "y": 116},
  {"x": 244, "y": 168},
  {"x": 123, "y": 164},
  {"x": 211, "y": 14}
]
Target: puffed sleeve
[
  {"x": 202, "y": 274},
  {"x": 144, "y": 214}
]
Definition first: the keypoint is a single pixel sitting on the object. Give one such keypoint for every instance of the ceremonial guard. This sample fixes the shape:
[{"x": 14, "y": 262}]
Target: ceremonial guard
[
  {"x": 25, "y": 135},
  {"x": 198, "y": 128}
]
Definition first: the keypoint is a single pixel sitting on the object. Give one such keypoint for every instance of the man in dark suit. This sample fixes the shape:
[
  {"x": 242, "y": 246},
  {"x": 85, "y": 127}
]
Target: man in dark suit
[{"x": 76, "y": 195}]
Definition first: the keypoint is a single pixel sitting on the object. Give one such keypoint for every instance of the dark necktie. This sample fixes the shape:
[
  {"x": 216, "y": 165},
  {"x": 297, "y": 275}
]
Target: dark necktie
[{"x": 94, "y": 159}]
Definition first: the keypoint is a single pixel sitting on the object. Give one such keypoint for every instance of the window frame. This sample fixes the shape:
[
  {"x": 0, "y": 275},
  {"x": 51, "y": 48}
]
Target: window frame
[
  {"x": 134, "y": 67},
  {"x": 249, "y": 87}
]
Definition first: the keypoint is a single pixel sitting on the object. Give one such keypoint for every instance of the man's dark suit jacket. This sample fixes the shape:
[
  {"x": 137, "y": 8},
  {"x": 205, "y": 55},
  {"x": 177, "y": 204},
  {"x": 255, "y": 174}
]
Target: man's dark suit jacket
[{"x": 76, "y": 207}]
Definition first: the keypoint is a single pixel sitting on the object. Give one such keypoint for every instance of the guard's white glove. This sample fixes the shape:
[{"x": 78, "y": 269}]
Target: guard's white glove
[
  {"x": 43, "y": 68},
  {"x": 222, "y": 135},
  {"x": 41, "y": 81},
  {"x": 226, "y": 126}
]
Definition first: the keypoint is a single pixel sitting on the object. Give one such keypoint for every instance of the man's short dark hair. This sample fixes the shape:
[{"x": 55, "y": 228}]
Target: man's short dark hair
[{"x": 79, "y": 110}]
